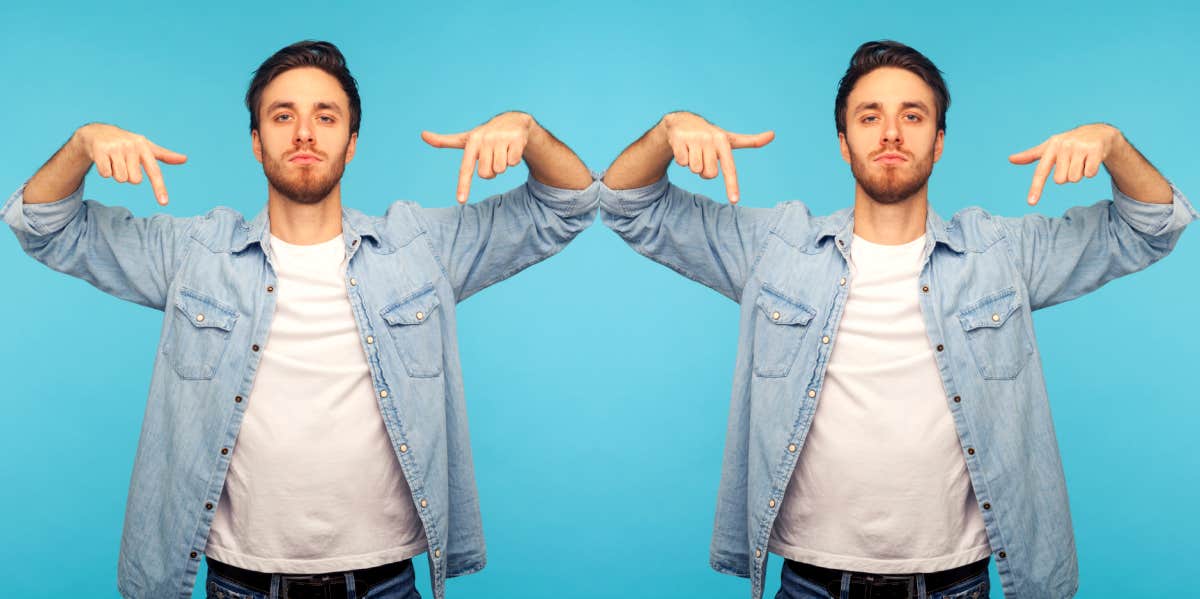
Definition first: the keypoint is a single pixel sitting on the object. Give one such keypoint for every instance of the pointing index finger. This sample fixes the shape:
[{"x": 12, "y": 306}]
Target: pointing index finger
[
  {"x": 154, "y": 173},
  {"x": 725, "y": 155},
  {"x": 467, "y": 169}
]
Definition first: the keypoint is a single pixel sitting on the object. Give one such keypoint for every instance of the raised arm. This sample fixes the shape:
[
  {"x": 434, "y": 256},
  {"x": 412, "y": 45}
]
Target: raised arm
[{"x": 486, "y": 242}]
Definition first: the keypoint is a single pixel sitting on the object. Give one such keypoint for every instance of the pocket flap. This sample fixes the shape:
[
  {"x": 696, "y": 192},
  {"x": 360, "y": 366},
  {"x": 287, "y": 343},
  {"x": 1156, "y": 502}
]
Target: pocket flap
[
  {"x": 781, "y": 309},
  {"x": 414, "y": 309},
  {"x": 991, "y": 311},
  {"x": 204, "y": 312}
]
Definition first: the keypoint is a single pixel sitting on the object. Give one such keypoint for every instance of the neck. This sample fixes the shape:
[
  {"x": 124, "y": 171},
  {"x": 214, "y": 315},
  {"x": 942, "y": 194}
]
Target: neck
[
  {"x": 305, "y": 224},
  {"x": 890, "y": 224}
]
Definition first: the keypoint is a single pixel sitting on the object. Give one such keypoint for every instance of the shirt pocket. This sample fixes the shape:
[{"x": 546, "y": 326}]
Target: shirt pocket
[
  {"x": 996, "y": 333},
  {"x": 781, "y": 323},
  {"x": 198, "y": 335},
  {"x": 414, "y": 324}
]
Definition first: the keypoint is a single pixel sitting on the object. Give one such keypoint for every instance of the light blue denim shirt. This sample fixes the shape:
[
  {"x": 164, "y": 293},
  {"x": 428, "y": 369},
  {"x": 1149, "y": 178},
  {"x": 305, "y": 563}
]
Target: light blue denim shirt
[
  {"x": 406, "y": 271},
  {"x": 982, "y": 276}
]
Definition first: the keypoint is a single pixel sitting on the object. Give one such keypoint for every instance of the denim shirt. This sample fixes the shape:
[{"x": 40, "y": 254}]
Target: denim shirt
[
  {"x": 406, "y": 270},
  {"x": 981, "y": 277}
]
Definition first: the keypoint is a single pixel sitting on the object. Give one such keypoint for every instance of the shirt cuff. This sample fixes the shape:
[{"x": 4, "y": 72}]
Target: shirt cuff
[
  {"x": 40, "y": 219},
  {"x": 1155, "y": 219},
  {"x": 629, "y": 202},
  {"x": 566, "y": 202}
]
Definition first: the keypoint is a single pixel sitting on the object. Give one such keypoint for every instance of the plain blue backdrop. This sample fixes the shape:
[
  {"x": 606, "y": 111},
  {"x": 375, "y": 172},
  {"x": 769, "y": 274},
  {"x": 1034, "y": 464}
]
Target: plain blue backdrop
[{"x": 598, "y": 382}]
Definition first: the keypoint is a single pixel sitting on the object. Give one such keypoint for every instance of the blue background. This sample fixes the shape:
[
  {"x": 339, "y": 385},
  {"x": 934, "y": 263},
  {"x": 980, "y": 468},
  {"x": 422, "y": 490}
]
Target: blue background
[{"x": 598, "y": 382}]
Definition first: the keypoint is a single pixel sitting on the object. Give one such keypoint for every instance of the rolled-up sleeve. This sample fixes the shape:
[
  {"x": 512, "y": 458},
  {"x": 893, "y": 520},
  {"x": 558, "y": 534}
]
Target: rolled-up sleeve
[{"x": 40, "y": 219}]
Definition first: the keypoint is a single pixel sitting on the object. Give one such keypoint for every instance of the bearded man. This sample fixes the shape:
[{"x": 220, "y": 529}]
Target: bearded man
[{"x": 889, "y": 431}]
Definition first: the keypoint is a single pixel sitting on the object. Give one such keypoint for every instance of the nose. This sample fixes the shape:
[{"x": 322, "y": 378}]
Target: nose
[
  {"x": 891, "y": 133},
  {"x": 303, "y": 134}
]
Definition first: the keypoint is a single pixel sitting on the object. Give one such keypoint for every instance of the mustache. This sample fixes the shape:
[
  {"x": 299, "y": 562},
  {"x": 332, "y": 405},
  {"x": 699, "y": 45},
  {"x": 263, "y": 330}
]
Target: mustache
[
  {"x": 887, "y": 150},
  {"x": 306, "y": 150}
]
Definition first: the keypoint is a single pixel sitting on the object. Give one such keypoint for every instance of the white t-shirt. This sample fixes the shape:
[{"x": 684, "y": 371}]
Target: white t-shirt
[
  {"x": 314, "y": 484},
  {"x": 881, "y": 485}
]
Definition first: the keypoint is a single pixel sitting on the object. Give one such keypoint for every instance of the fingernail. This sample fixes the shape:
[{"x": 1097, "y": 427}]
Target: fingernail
[
  {"x": 733, "y": 199},
  {"x": 1032, "y": 200}
]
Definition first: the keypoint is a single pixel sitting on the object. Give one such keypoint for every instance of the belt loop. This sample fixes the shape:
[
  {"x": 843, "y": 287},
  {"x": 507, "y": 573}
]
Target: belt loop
[
  {"x": 351, "y": 593},
  {"x": 845, "y": 585},
  {"x": 921, "y": 590},
  {"x": 275, "y": 582}
]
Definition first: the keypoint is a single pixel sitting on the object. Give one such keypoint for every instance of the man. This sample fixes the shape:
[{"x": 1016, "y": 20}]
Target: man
[
  {"x": 889, "y": 429},
  {"x": 306, "y": 428}
]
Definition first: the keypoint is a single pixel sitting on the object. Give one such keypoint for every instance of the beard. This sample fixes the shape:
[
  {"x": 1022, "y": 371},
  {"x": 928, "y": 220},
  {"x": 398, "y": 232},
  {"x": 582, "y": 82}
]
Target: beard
[
  {"x": 309, "y": 184},
  {"x": 895, "y": 183}
]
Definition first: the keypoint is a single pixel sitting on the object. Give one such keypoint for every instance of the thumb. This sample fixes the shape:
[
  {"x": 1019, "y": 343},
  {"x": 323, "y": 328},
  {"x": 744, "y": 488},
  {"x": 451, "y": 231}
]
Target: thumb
[
  {"x": 756, "y": 140},
  {"x": 438, "y": 140},
  {"x": 168, "y": 156},
  {"x": 1028, "y": 156}
]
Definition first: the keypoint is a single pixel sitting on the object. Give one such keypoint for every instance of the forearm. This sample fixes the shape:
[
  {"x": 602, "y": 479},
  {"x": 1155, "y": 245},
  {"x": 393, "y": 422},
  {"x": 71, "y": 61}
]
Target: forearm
[
  {"x": 60, "y": 176},
  {"x": 643, "y": 162},
  {"x": 552, "y": 163},
  {"x": 1135, "y": 176}
]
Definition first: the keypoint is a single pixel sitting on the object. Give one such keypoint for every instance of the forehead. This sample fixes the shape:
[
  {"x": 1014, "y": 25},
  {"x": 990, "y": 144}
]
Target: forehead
[
  {"x": 304, "y": 86},
  {"x": 890, "y": 86}
]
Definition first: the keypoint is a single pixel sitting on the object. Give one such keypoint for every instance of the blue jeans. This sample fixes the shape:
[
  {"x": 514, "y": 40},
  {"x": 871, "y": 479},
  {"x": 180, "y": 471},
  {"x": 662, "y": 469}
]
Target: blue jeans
[
  {"x": 403, "y": 586},
  {"x": 794, "y": 586}
]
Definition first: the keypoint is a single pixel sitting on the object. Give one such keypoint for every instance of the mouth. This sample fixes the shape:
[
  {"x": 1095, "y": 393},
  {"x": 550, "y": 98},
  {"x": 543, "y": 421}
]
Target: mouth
[
  {"x": 890, "y": 158},
  {"x": 304, "y": 158}
]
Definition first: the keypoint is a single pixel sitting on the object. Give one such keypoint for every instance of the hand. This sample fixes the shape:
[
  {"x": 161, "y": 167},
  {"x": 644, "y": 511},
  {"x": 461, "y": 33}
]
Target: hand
[
  {"x": 700, "y": 145},
  {"x": 122, "y": 155},
  {"x": 1073, "y": 155},
  {"x": 494, "y": 145}
]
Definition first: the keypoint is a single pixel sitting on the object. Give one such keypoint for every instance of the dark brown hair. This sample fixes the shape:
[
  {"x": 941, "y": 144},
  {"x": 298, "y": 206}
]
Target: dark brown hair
[
  {"x": 887, "y": 53},
  {"x": 307, "y": 53}
]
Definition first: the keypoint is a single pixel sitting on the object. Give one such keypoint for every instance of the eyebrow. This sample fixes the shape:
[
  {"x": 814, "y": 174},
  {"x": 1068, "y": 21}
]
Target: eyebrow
[
  {"x": 292, "y": 106},
  {"x": 903, "y": 105}
]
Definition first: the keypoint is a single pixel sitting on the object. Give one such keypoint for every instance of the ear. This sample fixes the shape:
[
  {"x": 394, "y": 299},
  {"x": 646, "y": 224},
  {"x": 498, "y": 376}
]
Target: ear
[
  {"x": 845, "y": 147},
  {"x": 350, "y": 147},
  {"x": 937, "y": 144},
  {"x": 256, "y": 145}
]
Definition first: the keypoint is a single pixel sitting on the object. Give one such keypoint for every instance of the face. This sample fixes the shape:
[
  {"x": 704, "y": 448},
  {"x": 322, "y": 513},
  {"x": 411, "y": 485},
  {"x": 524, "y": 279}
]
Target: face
[
  {"x": 891, "y": 139},
  {"x": 303, "y": 138}
]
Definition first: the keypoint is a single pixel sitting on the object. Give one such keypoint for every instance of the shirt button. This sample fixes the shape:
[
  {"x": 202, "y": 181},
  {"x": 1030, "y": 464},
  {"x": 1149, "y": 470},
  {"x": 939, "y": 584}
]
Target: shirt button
[
  {"x": 925, "y": 289},
  {"x": 370, "y": 340},
  {"x": 758, "y": 553},
  {"x": 774, "y": 316},
  {"x": 424, "y": 503},
  {"x": 199, "y": 318},
  {"x": 825, "y": 339},
  {"x": 812, "y": 393},
  {"x": 437, "y": 553},
  {"x": 941, "y": 347},
  {"x": 193, "y": 555},
  {"x": 208, "y": 506},
  {"x": 353, "y": 281},
  {"x": 771, "y": 503},
  {"x": 383, "y": 393},
  {"x": 420, "y": 316},
  {"x": 270, "y": 289},
  {"x": 792, "y": 448},
  {"x": 224, "y": 451},
  {"x": 254, "y": 347},
  {"x": 1003, "y": 555},
  {"x": 957, "y": 399},
  {"x": 403, "y": 448},
  {"x": 238, "y": 399},
  {"x": 995, "y": 318},
  {"x": 842, "y": 282},
  {"x": 987, "y": 506},
  {"x": 970, "y": 451}
]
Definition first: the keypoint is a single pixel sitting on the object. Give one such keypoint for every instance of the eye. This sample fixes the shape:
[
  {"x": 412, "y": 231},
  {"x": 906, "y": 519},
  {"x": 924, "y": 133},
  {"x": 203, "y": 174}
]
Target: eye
[
  {"x": 912, "y": 117},
  {"x": 326, "y": 119},
  {"x": 283, "y": 116},
  {"x": 870, "y": 118}
]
